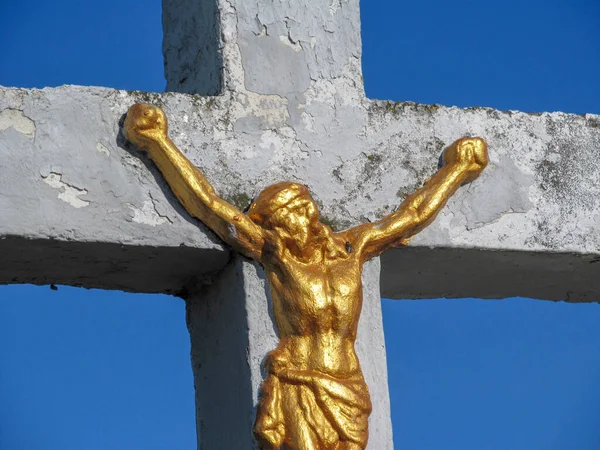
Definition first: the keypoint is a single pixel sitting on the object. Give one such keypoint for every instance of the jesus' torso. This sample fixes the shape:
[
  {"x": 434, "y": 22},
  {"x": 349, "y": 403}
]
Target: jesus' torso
[{"x": 317, "y": 304}]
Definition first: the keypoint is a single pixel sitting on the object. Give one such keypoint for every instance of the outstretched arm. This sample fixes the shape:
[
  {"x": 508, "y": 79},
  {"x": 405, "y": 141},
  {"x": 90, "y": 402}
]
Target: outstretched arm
[
  {"x": 146, "y": 127},
  {"x": 463, "y": 162}
]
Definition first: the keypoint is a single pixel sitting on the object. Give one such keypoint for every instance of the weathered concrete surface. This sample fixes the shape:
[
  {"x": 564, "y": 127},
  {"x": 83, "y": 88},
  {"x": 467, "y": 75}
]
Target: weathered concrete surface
[
  {"x": 191, "y": 46},
  {"x": 136, "y": 268},
  {"x": 67, "y": 180},
  {"x": 421, "y": 272},
  {"x": 232, "y": 329},
  {"x": 65, "y": 176},
  {"x": 272, "y": 48}
]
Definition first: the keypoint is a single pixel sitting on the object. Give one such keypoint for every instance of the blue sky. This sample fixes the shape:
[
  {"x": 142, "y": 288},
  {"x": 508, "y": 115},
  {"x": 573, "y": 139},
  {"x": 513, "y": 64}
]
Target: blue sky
[{"x": 96, "y": 370}]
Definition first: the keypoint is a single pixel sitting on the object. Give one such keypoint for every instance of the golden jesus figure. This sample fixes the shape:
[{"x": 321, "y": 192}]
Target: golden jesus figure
[{"x": 314, "y": 396}]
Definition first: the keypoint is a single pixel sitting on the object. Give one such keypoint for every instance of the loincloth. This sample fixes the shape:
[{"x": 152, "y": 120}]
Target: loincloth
[{"x": 312, "y": 408}]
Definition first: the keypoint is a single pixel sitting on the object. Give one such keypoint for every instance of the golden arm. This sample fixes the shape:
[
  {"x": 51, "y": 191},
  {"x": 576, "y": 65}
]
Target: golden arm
[
  {"x": 463, "y": 162},
  {"x": 146, "y": 127}
]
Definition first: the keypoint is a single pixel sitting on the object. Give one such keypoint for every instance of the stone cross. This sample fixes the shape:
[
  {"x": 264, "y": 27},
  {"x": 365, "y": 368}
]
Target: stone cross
[{"x": 263, "y": 91}]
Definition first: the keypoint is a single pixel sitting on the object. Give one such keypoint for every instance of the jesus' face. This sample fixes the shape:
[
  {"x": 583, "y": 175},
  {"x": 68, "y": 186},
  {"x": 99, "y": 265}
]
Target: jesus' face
[{"x": 288, "y": 208}]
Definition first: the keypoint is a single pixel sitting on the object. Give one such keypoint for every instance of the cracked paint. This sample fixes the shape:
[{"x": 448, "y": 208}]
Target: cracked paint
[
  {"x": 507, "y": 185},
  {"x": 309, "y": 121},
  {"x": 266, "y": 111},
  {"x": 69, "y": 194},
  {"x": 101, "y": 148},
  {"x": 287, "y": 40},
  {"x": 334, "y": 6},
  {"x": 148, "y": 215},
  {"x": 14, "y": 118}
]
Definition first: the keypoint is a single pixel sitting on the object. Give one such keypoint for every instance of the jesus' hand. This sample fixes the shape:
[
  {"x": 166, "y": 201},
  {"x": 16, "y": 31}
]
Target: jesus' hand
[
  {"x": 470, "y": 154},
  {"x": 145, "y": 124}
]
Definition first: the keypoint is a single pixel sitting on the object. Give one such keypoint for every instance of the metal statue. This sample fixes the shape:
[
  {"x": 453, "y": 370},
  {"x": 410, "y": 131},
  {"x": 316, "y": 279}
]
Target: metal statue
[{"x": 315, "y": 396}]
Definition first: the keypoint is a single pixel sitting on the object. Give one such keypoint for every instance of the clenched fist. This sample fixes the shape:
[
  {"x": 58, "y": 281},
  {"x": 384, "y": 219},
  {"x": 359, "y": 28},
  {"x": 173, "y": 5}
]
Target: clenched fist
[
  {"x": 470, "y": 154},
  {"x": 145, "y": 124}
]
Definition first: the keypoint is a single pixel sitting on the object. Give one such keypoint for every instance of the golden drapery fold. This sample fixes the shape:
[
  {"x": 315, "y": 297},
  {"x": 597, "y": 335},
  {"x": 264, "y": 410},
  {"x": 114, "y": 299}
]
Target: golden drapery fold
[{"x": 309, "y": 410}]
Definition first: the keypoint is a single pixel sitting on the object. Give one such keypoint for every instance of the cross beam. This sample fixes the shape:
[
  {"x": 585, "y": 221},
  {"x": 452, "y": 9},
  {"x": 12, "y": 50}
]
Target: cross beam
[{"x": 81, "y": 207}]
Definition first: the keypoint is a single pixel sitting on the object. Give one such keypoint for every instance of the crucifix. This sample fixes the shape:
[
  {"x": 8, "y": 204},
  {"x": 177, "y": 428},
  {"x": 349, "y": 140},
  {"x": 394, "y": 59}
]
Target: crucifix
[
  {"x": 314, "y": 396},
  {"x": 261, "y": 92}
]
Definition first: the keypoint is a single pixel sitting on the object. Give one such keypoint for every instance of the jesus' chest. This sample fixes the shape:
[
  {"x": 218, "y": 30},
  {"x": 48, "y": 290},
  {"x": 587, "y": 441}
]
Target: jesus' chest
[{"x": 318, "y": 292}]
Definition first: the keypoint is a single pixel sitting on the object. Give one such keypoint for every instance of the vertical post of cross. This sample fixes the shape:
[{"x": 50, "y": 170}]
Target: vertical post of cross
[
  {"x": 260, "y": 49},
  {"x": 260, "y": 46},
  {"x": 191, "y": 46}
]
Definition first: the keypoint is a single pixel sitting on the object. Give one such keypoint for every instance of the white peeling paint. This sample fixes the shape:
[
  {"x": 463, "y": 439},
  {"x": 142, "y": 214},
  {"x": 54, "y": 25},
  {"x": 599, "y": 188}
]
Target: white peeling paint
[
  {"x": 309, "y": 121},
  {"x": 102, "y": 149},
  {"x": 271, "y": 109},
  {"x": 554, "y": 157},
  {"x": 147, "y": 214},
  {"x": 68, "y": 194},
  {"x": 263, "y": 31},
  {"x": 285, "y": 40},
  {"x": 232, "y": 231},
  {"x": 14, "y": 118},
  {"x": 334, "y": 6}
]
